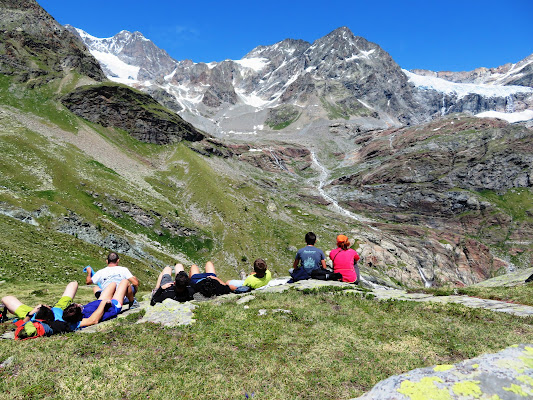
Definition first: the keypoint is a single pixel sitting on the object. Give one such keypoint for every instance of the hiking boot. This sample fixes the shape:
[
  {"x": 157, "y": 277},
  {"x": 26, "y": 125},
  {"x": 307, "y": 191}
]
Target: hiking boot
[{"x": 134, "y": 304}]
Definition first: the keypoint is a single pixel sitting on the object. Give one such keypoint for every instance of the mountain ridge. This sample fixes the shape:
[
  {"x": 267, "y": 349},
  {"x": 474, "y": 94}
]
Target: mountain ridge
[{"x": 338, "y": 76}]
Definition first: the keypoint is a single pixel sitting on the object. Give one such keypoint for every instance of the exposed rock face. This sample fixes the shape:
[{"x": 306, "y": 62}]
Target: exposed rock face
[
  {"x": 120, "y": 208},
  {"x": 34, "y": 46},
  {"x": 132, "y": 48},
  {"x": 442, "y": 185},
  {"x": 135, "y": 112},
  {"x": 273, "y": 158}
]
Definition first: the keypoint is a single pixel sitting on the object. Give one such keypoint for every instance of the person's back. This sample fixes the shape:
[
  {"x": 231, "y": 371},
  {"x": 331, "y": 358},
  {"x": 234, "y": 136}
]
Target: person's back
[
  {"x": 310, "y": 257},
  {"x": 345, "y": 260},
  {"x": 112, "y": 273}
]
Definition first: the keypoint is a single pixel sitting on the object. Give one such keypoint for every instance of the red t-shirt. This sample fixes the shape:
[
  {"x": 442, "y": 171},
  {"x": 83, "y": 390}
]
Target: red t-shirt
[{"x": 343, "y": 262}]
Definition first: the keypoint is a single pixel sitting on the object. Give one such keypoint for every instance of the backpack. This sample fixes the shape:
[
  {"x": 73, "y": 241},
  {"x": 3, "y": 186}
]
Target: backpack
[
  {"x": 324, "y": 275},
  {"x": 38, "y": 325},
  {"x": 243, "y": 289}
]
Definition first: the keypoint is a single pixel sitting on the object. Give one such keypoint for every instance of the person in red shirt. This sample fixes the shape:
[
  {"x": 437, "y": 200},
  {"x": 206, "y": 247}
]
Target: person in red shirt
[{"x": 345, "y": 260}]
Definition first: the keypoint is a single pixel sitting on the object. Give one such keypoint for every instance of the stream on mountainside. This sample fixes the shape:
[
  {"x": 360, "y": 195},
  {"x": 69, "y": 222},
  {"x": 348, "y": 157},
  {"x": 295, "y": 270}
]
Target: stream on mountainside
[{"x": 322, "y": 180}]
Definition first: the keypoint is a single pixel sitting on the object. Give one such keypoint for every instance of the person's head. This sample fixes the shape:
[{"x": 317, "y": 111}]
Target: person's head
[
  {"x": 181, "y": 282},
  {"x": 260, "y": 267},
  {"x": 207, "y": 287},
  {"x": 310, "y": 238},
  {"x": 73, "y": 313},
  {"x": 112, "y": 259},
  {"x": 343, "y": 242},
  {"x": 44, "y": 313}
]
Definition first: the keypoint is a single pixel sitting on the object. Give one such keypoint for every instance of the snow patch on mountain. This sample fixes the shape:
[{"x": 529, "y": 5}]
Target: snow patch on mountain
[
  {"x": 514, "y": 72},
  {"x": 257, "y": 64},
  {"x": 251, "y": 99},
  {"x": 362, "y": 54},
  {"x": 525, "y": 115},
  {"x": 463, "y": 89},
  {"x": 119, "y": 70}
]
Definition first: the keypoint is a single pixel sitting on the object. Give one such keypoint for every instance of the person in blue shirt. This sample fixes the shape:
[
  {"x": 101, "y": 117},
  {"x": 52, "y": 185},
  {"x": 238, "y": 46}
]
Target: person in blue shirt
[{"x": 310, "y": 257}]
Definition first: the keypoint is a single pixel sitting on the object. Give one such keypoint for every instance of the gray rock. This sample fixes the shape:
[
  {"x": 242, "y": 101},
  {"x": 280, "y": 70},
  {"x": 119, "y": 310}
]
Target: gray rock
[
  {"x": 170, "y": 313},
  {"x": 7, "y": 362},
  {"x": 507, "y": 374}
]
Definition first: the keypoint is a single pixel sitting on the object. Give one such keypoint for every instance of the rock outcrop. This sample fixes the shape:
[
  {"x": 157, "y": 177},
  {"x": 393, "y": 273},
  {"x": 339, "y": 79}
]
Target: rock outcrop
[
  {"x": 33, "y": 46},
  {"x": 453, "y": 197},
  {"x": 137, "y": 113},
  {"x": 505, "y": 375}
]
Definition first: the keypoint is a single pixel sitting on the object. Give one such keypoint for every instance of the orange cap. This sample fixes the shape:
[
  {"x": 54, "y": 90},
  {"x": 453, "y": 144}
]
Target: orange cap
[{"x": 342, "y": 239}]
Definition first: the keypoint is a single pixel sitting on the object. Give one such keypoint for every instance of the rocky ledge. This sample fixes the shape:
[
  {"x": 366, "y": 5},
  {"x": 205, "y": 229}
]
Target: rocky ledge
[{"x": 135, "y": 112}]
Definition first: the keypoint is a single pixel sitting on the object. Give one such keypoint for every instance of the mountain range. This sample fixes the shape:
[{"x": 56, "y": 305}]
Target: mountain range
[
  {"x": 239, "y": 159},
  {"x": 294, "y": 84}
]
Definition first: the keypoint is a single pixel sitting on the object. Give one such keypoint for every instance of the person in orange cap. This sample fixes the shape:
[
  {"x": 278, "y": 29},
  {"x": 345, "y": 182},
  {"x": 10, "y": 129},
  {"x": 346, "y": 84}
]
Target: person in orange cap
[{"x": 345, "y": 260}]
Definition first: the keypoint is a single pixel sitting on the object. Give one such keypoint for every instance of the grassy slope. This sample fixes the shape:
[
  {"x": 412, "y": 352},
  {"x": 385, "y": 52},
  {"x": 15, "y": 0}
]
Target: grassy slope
[
  {"x": 328, "y": 346},
  {"x": 210, "y": 195}
]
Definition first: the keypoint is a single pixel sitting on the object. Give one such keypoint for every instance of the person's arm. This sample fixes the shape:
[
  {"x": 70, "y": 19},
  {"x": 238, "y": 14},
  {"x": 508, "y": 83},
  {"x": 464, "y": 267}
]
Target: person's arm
[
  {"x": 96, "y": 316},
  {"x": 356, "y": 257},
  {"x": 232, "y": 288},
  {"x": 134, "y": 281},
  {"x": 323, "y": 262},
  {"x": 31, "y": 313},
  {"x": 295, "y": 263},
  {"x": 88, "y": 278}
]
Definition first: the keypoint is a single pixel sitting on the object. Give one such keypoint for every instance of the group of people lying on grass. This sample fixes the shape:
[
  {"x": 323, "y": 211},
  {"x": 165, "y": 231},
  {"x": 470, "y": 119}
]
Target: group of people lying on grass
[
  {"x": 116, "y": 286},
  {"x": 65, "y": 315},
  {"x": 310, "y": 262}
]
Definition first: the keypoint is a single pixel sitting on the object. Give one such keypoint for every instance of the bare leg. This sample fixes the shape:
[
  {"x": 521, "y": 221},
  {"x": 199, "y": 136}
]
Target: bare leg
[
  {"x": 121, "y": 291},
  {"x": 12, "y": 303},
  {"x": 166, "y": 270},
  {"x": 129, "y": 293},
  {"x": 96, "y": 289},
  {"x": 71, "y": 289},
  {"x": 209, "y": 267},
  {"x": 108, "y": 292},
  {"x": 178, "y": 268},
  {"x": 89, "y": 273},
  {"x": 194, "y": 270}
]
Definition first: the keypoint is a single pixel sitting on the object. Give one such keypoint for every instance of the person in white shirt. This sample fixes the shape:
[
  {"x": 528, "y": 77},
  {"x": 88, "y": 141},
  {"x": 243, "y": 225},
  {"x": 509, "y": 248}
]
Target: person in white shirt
[{"x": 113, "y": 273}]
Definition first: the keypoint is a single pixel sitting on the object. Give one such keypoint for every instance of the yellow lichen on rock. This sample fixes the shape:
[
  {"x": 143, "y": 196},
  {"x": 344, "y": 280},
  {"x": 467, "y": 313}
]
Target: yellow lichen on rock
[
  {"x": 425, "y": 389},
  {"x": 526, "y": 379},
  {"x": 443, "y": 367},
  {"x": 517, "y": 389},
  {"x": 468, "y": 388},
  {"x": 527, "y": 359}
]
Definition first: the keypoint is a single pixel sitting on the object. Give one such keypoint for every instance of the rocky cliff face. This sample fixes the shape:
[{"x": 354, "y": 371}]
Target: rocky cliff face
[
  {"x": 29, "y": 34},
  {"x": 135, "y": 112},
  {"x": 455, "y": 189}
]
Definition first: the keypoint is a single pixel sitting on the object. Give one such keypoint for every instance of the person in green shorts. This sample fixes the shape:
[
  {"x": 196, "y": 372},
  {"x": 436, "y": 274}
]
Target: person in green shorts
[{"x": 42, "y": 319}]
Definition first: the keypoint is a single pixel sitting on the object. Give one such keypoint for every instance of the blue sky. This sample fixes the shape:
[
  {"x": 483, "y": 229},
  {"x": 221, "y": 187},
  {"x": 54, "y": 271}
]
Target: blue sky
[{"x": 437, "y": 35}]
